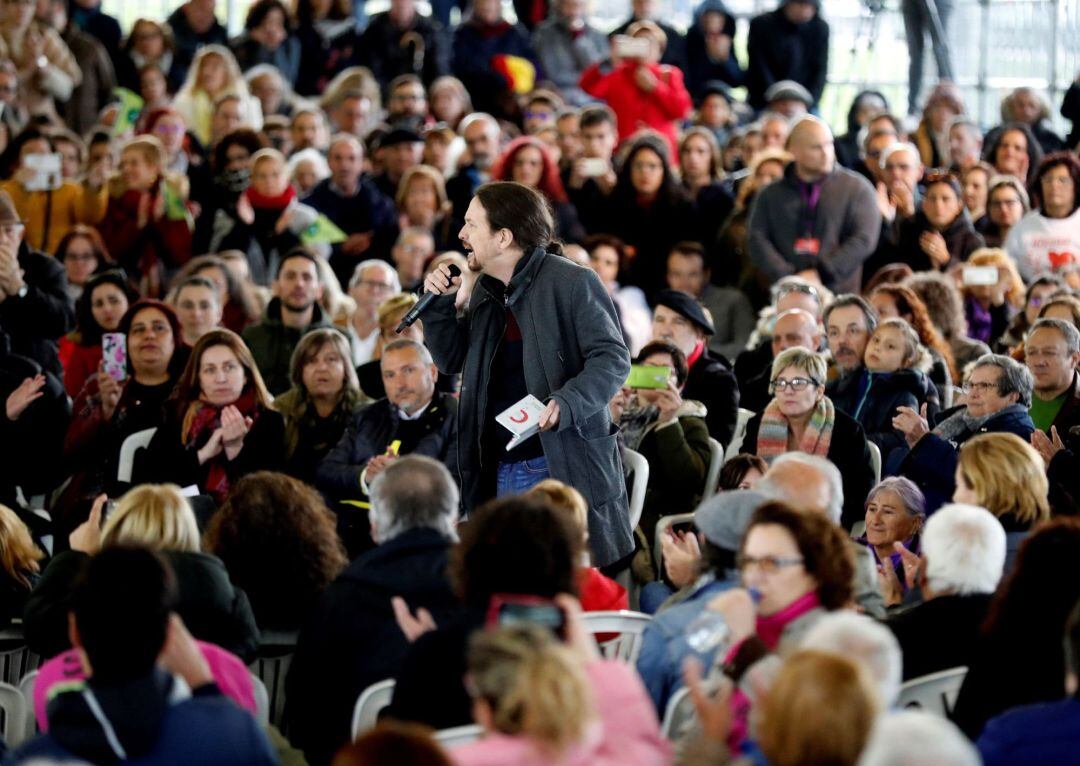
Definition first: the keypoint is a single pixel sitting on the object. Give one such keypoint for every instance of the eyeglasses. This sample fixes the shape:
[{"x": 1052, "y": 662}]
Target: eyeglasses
[
  {"x": 768, "y": 565},
  {"x": 797, "y": 287},
  {"x": 795, "y": 384},
  {"x": 940, "y": 177},
  {"x": 982, "y": 387},
  {"x": 1005, "y": 203}
]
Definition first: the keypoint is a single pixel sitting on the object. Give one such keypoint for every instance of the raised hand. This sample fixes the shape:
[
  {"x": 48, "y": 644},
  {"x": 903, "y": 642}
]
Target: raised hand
[{"x": 22, "y": 397}]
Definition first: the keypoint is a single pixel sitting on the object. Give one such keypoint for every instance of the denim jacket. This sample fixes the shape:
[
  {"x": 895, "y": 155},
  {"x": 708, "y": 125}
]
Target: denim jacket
[{"x": 664, "y": 644}]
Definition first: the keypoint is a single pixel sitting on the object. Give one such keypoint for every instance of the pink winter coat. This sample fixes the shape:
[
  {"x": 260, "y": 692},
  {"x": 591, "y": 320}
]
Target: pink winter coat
[{"x": 627, "y": 731}]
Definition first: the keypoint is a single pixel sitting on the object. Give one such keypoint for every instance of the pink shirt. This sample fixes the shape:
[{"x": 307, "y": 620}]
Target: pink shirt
[{"x": 626, "y": 732}]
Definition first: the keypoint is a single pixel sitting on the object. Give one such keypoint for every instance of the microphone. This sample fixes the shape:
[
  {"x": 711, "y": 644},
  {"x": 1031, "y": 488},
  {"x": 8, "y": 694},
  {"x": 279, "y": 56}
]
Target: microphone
[{"x": 423, "y": 303}]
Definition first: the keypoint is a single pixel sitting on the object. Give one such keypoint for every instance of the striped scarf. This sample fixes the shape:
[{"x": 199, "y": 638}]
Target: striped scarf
[{"x": 773, "y": 433}]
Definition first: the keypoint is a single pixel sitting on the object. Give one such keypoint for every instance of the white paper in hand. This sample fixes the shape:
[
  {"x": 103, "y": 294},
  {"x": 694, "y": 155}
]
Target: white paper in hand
[{"x": 521, "y": 419}]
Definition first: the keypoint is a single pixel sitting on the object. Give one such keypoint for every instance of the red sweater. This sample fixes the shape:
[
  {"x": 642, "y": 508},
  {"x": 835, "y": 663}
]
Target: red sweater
[{"x": 635, "y": 108}]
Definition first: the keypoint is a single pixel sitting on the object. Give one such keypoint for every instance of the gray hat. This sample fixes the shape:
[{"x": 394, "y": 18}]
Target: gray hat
[
  {"x": 789, "y": 90},
  {"x": 723, "y": 518}
]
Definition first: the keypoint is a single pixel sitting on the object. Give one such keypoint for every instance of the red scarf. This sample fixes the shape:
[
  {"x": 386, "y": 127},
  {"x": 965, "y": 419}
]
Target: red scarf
[
  {"x": 770, "y": 629},
  {"x": 267, "y": 202},
  {"x": 200, "y": 422},
  {"x": 697, "y": 353}
]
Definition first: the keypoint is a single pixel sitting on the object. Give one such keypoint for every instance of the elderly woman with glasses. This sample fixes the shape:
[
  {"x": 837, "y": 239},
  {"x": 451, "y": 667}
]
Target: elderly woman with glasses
[
  {"x": 998, "y": 395},
  {"x": 795, "y": 567},
  {"x": 800, "y": 418}
]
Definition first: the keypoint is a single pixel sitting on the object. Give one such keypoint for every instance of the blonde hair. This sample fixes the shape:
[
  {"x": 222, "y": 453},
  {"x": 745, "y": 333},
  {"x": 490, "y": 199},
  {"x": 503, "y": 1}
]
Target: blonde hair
[
  {"x": 809, "y": 362},
  {"x": 818, "y": 712},
  {"x": 995, "y": 256},
  {"x": 1007, "y": 476},
  {"x": 266, "y": 155},
  {"x": 564, "y": 498},
  {"x": 536, "y": 686},
  {"x": 234, "y": 80},
  {"x": 914, "y": 353},
  {"x": 19, "y": 555},
  {"x": 153, "y": 515},
  {"x": 153, "y": 151}
]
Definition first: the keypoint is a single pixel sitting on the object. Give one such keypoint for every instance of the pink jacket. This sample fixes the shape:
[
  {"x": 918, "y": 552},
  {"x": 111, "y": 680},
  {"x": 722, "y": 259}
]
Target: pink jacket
[{"x": 627, "y": 732}]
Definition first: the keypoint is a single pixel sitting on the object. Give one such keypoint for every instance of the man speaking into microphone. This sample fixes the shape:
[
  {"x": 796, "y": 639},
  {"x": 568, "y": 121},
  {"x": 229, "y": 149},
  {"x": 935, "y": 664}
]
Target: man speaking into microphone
[{"x": 537, "y": 324}]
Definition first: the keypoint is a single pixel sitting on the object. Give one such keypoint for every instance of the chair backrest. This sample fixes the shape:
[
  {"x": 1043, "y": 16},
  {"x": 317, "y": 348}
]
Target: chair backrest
[
  {"x": 680, "y": 709},
  {"x": 132, "y": 444},
  {"x": 637, "y": 467},
  {"x": 629, "y": 626},
  {"x": 15, "y": 710},
  {"x": 740, "y": 432},
  {"x": 16, "y": 659},
  {"x": 276, "y": 648},
  {"x": 262, "y": 701},
  {"x": 26, "y": 688},
  {"x": 716, "y": 462},
  {"x": 662, "y": 527},
  {"x": 370, "y": 703},
  {"x": 459, "y": 735},
  {"x": 934, "y": 693},
  {"x": 875, "y": 460}
]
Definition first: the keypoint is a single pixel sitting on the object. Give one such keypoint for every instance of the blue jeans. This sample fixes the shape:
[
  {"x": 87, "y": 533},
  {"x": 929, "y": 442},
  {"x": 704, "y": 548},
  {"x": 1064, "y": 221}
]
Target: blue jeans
[{"x": 515, "y": 478}]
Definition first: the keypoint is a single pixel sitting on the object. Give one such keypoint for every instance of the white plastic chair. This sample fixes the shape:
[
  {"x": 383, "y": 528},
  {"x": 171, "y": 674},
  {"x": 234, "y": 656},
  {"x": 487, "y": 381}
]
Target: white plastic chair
[
  {"x": 716, "y": 462},
  {"x": 934, "y": 693},
  {"x": 459, "y": 735},
  {"x": 137, "y": 441},
  {"x": 637, "y": 466},
  {"x": 740, "y": 432},
  {"x": 15, "y": 710},
  {"x": 680, "y": 709},
  {"x": 875, "y": 460},
  {"x": 26, "y": 688},
  {"x": 629, "y": 626},
  {"x": 262, "y": 701},
  {"x": 662, "y": 527},
  {"x": 370, "y": 703}
]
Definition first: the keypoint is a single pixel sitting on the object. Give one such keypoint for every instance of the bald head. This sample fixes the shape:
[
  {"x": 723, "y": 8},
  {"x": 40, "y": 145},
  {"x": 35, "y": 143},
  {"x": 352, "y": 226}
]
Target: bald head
[
  {"x": 811, "y": 144},
  {"x": 796, "y": 327},
  {"x": 807, "y": 483}
]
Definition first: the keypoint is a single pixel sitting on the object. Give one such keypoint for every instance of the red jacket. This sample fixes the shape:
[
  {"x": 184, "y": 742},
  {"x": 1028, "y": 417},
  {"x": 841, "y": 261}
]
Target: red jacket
[
  {"x": 80, "y": 362},
  {"x": 635, "y": 108},
  {"x": 162, "y": 245}
]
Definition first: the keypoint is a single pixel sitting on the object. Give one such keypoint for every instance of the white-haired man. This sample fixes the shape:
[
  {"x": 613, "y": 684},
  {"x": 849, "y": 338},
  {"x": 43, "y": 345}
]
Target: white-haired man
[
  {"x": 963, "y": 554},
  {"x": 864, "y": 640}
]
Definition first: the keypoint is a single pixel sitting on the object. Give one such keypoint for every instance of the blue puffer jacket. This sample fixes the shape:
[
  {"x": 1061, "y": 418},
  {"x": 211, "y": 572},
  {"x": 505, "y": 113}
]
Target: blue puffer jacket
[
  {"x": 872, "y": 398},
  {"x": 1033, "y": 735}
]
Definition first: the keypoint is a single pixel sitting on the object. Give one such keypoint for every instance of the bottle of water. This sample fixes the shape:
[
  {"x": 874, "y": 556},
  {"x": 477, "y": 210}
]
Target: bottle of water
[{"x": 707, "y": 632}]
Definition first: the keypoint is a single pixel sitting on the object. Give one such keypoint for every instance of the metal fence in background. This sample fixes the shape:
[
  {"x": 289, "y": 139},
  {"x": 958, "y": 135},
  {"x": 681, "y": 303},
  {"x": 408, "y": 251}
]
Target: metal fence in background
[{"x": 997, "y": 45}]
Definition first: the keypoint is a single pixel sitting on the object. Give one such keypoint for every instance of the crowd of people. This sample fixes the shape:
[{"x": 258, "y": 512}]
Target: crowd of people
[{"x": 273, "y": 308}]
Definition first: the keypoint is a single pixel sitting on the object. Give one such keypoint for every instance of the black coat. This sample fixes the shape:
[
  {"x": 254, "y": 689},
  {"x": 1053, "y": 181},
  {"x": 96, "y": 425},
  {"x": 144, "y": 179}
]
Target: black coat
[
  {"x": 166, "y": 459},
  {"x": 352, "y": 640},
  {"x": 212, "y": 609},
  {"x": 848, "y": 451},
  {"x": 652, "y": 232},
  {"x": 939, "y": 634},
  {"x": 876, "y": 405},
  {"x": 960, "y": 238},
  {"x": 35, "y": 322},
  {"x": 430, "y": 685},
  {"x": 369, "y": 432},
  {"x": 386, "y": 50},
  {"x": 712, "y": 382},
  {"x": 779, "y": 50}
]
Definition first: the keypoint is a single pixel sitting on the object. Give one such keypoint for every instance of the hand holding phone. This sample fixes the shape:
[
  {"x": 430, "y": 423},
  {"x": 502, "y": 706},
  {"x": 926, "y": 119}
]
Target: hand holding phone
[{"x": 114, "y": 355}]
